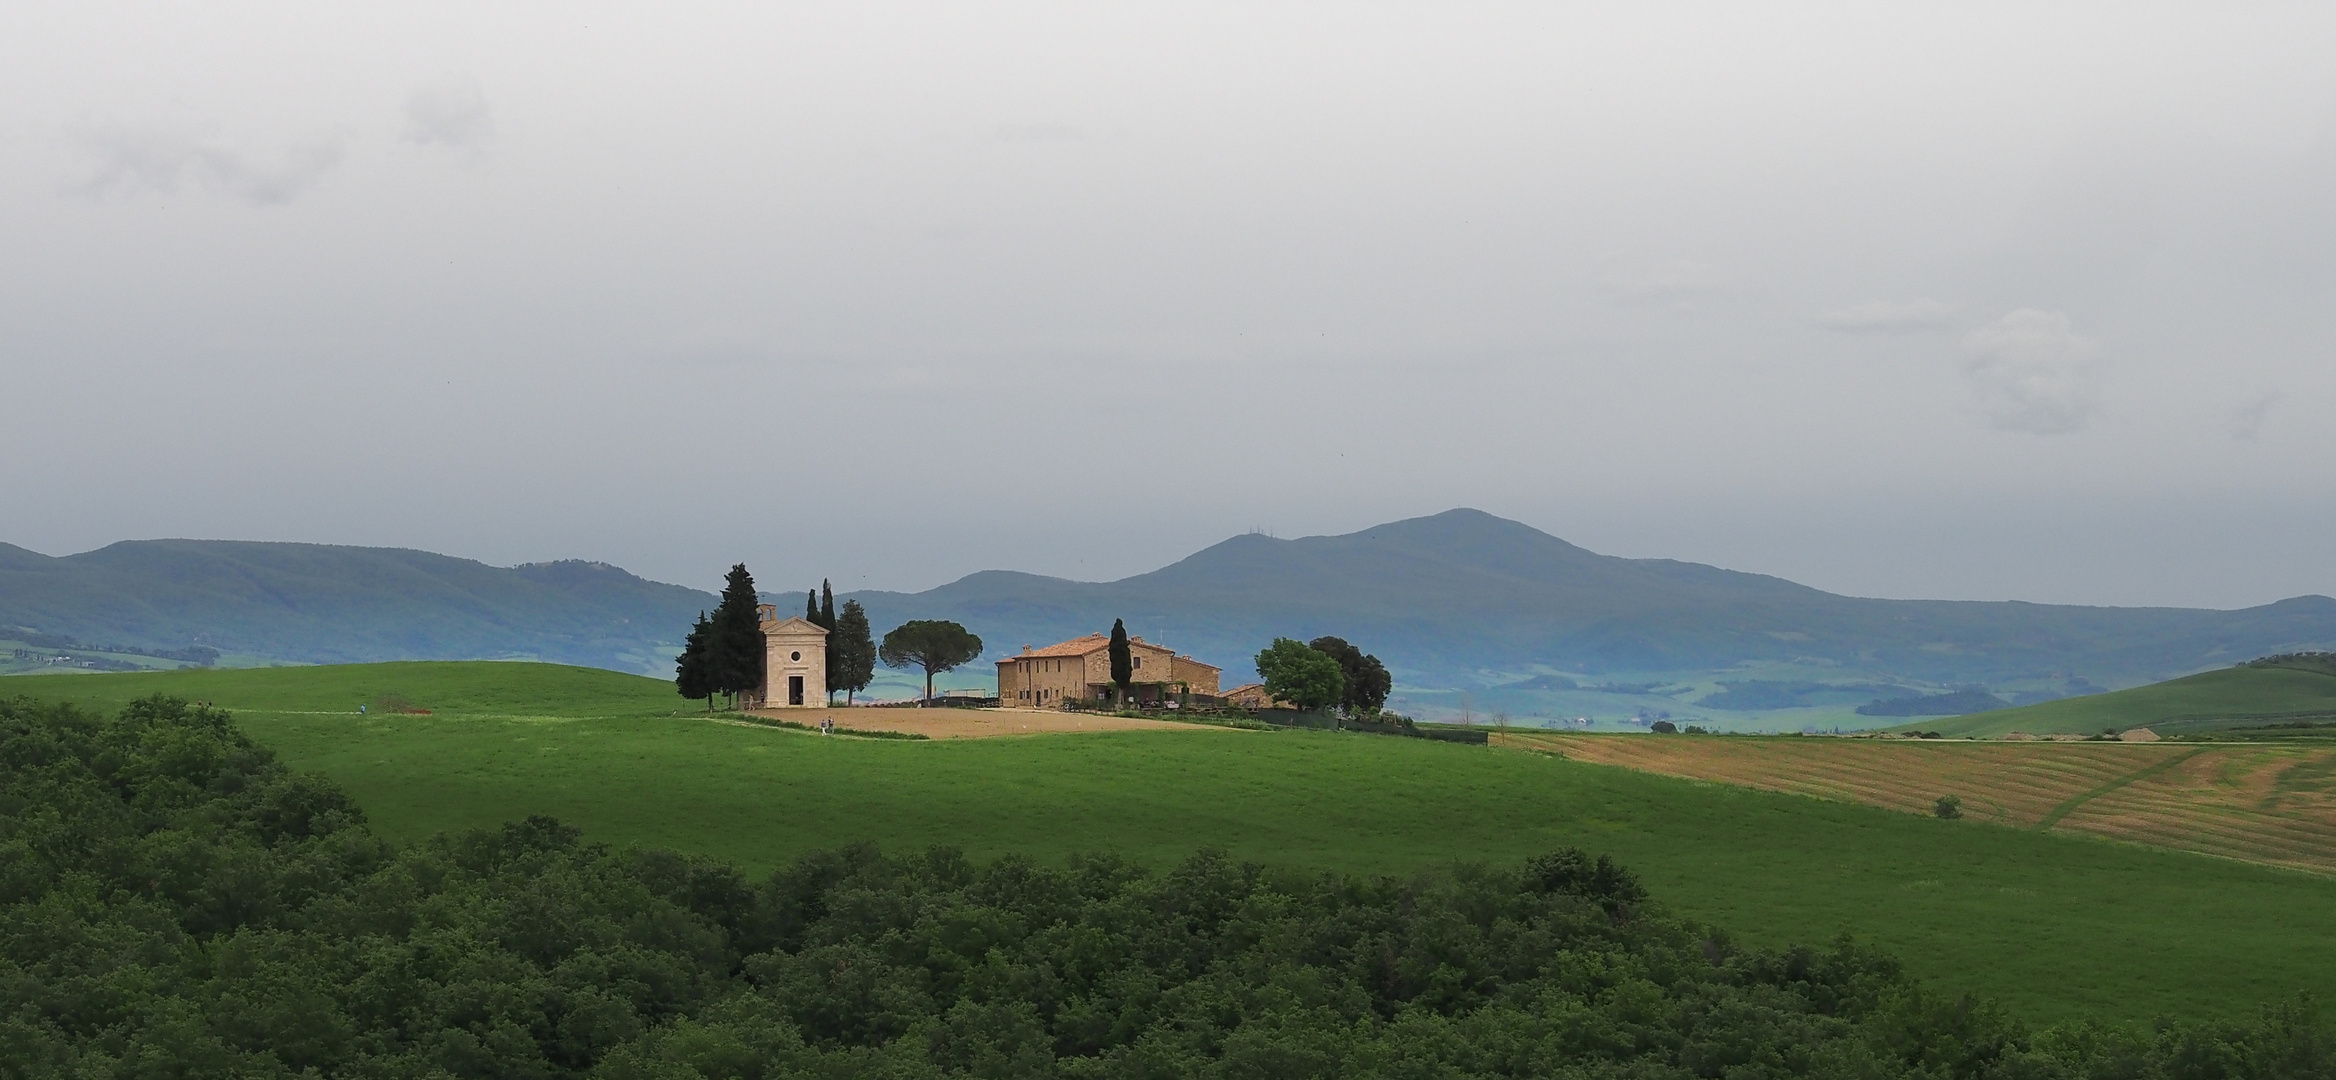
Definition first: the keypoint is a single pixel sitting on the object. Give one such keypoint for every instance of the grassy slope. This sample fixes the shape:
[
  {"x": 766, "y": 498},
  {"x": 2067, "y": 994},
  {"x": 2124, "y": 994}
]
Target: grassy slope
[
  {"x": 455, "y": 687},
  {"x": 2054, "y": 926},
  {"x": 2230, "y": 693}
]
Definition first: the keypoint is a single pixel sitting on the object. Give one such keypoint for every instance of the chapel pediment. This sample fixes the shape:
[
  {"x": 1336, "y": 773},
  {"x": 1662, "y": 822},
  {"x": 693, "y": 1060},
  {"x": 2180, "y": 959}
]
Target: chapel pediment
[{"x": 794, "y": 625}]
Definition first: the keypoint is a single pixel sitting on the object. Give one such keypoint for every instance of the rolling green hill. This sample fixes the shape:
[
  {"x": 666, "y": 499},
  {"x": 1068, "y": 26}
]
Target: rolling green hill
[
  {"x": 2247, "y": 694},
  {"x": 444, "y": 687},
  {"x": 2054, "y": 926}
]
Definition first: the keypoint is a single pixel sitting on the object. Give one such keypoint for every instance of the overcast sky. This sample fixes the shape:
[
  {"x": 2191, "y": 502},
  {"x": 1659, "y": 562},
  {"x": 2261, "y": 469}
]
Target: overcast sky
[{"x": 1974, "y": 301}]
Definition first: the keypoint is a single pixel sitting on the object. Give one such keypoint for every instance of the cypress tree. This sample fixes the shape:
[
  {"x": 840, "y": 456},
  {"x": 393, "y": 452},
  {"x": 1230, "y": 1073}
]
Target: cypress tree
[
  {"x": 690, "y": 672},
  {"x": 1123, "y": 668},
  {"x": 736, "y": 645},
  {"x": 851, "y": 651},
  {"x": 811, "y": 606},
  {"x": 827, "y": 619}
]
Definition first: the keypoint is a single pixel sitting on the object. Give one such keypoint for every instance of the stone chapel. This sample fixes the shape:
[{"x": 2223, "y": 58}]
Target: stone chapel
[{"x": 794, "y": 661}]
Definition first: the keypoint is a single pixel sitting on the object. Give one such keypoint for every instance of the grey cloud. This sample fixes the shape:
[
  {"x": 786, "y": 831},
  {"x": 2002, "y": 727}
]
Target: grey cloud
[
  {"x": 2031, "y": 372},
  {"x": 1041, "y": 133},
  {"x": 1678, "y": 279},
  {"x": 2245, "y": 423},
  {"x": 1634, "y": 260},
  {"x": 1891, "y": 316},
  {"x": 133, "y": 163},
  {"x": 453, "y": 113}
]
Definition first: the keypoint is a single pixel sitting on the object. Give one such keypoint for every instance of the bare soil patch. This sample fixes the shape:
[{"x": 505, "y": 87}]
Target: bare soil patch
[{"x": 974, "y": 723}]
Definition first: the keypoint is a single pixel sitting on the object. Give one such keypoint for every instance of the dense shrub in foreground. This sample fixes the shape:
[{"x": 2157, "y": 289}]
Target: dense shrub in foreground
[{"x": 173, "y": 903}]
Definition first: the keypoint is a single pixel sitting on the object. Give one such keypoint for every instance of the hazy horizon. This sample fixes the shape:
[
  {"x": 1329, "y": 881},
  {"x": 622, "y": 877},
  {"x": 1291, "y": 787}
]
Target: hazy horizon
[
  {"x": 1980, "y": 302},
  {"x": 768, "y": 588}
]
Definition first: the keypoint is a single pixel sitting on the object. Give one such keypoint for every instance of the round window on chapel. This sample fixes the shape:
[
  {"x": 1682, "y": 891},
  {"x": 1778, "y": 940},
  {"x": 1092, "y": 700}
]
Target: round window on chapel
[{"x": 794, "y": 656}]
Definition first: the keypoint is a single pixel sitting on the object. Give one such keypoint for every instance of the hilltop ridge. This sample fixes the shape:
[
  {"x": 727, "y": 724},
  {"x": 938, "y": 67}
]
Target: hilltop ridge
[
  {"x": 1459, "y": 598},
  {"x": 325, "y": 603},
  {"x": 1465, "y": 594}
]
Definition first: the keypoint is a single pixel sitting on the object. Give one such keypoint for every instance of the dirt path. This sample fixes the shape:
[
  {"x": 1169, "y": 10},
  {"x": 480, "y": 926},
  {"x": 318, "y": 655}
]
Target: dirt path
[{"x": 975, "y": 723}]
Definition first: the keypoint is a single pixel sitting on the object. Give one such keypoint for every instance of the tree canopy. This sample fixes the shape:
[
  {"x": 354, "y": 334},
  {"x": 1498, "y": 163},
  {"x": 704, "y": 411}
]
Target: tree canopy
[
  {"x": 1367, "y": 681},
  {"x": 734, "y": 648},
  {"x": 932, "y": 645},
  {"x": 177, "y": 904},
  {"x": 1300, "y": 675},
  {"x": 851, "y": 651},
  {"x": 692, "y": 673}
]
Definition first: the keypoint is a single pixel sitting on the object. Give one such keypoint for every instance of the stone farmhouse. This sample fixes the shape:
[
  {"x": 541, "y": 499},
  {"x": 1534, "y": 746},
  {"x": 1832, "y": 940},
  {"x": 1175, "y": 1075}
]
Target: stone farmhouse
[
  {"x": 1081, "y": 668},
  {"x": 794, "y": 670},
  {"x": 1253, "y": 696}
]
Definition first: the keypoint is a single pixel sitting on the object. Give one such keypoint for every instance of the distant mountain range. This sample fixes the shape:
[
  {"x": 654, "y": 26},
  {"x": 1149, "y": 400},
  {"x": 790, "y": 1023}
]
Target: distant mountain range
[
  {"x": 1467, "y": 596},
  {"x": 321, "y": 603},
  {"x": 1456, "y": 599}
]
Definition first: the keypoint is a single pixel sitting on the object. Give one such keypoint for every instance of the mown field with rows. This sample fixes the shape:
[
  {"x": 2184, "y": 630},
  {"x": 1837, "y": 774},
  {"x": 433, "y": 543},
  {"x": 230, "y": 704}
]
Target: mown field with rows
[{"x": 2264, "y": 803}]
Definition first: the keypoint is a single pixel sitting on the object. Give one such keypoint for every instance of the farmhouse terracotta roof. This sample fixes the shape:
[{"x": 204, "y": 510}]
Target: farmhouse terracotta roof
[
  {"x": 1074, "y": 647},
  {"x": 1081, "y": 646}
]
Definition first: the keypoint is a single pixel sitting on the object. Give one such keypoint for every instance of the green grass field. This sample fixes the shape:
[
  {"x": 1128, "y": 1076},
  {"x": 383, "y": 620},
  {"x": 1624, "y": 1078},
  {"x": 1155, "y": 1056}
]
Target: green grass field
[
  {"x": 2054, "y": 926},
  {"x": 2240, "y": 694}
]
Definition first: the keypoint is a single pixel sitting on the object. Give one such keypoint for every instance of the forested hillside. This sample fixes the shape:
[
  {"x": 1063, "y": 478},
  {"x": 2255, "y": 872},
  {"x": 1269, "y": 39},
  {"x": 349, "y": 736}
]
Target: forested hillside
[{"x": 174, "y": 903}]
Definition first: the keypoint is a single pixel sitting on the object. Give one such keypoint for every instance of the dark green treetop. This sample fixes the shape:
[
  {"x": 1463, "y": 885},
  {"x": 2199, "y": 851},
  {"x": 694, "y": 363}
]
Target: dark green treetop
[
  {"x": 851, "y": 651},
  {"x": 1299, "y": 675},
  {"x": 1123, "y": 665},
  {"x": 1367, "y": 681},
  {"x": 824, "y": 615},
  {"x": 735, "y": 646},
  {"x": 691, "y": 670},
  {"x": 934, "y": 645}
]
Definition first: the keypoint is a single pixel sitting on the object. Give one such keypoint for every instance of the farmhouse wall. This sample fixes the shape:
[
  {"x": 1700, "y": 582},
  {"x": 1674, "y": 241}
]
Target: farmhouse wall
[
  {"x": 1151, "y": 663},
  {"x": 1041, "y": 681},
  {"x": 1200, "y": 677},
  {"x": 1081, "y": 668}
]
